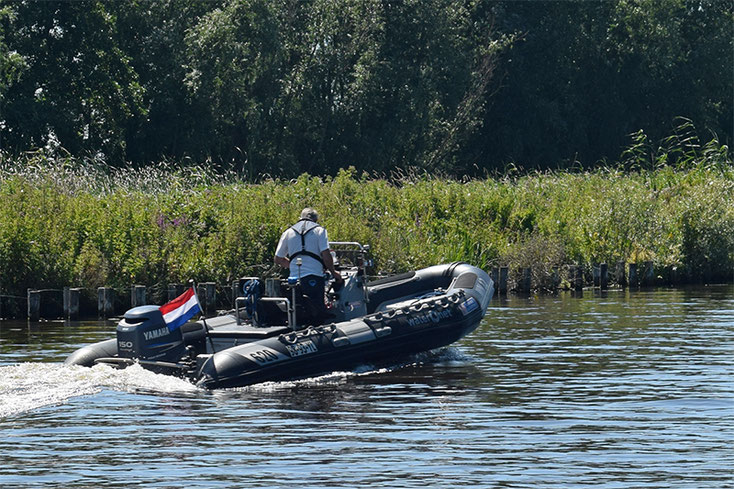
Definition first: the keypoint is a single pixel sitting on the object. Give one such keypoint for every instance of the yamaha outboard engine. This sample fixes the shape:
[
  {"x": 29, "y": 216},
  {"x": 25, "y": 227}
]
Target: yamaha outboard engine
[{"x": 142, "y": 334}]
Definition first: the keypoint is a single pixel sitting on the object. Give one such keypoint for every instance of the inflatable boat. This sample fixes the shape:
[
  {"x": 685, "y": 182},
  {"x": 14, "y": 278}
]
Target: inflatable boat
[{"x": 267, "y": 338}]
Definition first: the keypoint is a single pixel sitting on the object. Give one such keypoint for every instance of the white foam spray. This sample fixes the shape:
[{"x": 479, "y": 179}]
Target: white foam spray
[{"x": 28, "y": 386}]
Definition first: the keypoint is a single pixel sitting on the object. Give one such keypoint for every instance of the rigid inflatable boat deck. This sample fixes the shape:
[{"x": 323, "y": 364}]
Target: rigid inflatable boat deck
[{"x": 227, "y": 327}]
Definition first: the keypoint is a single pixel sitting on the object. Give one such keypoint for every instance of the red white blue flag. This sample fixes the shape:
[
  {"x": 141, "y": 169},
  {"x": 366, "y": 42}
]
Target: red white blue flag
[{"x": 181, "y": 309}]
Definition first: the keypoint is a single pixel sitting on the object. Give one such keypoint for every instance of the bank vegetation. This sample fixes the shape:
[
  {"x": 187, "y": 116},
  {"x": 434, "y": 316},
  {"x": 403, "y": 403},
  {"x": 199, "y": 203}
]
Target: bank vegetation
[{"x": 70, "y": 222}]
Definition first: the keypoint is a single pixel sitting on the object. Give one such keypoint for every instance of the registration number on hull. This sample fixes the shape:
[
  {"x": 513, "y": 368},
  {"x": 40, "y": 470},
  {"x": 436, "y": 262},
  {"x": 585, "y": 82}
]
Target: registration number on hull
[{"x": 301, "y": 348}]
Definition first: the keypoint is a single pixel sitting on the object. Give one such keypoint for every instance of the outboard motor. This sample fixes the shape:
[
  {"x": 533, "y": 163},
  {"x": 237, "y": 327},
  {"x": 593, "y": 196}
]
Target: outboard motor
[{"x": 142, "y": 334}]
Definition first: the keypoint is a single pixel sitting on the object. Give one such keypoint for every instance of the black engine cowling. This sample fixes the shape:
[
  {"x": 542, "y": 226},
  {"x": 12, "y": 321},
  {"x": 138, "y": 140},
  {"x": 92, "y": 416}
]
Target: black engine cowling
[{"x": 142, "y": 334}]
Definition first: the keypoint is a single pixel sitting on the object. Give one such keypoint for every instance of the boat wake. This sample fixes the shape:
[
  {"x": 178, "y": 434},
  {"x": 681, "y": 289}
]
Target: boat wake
[
  {"x": 28, "y": 386},
  {"x": 447, "y": 355}
]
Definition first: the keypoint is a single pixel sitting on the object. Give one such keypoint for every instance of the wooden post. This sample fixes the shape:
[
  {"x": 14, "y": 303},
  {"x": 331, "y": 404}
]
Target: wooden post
[
  {"x": 579, "y": 278},
  {"x": 595, "y": 273},
  {"x": 502, "y": 289},
  {"x": 175, "y": 290},
  {"x": 105, "y": 302},
  {"x": 620, "y": 273},
  {"x": 34, "y": 305},
  {"x": 71, "y": 303},
  {"x": 526, "y": 280},
  {"x": 171, "y": 292},
  {"x": 137, "y": 295},
  {"x": 648, "y": 277},
  {"x": 494, "y": 274},
  {"x": 633, "y": 275},
  {"x": 208, "y": 297},
  {"x": 211, "y": 297},
  {"x": 603, "y": 276}
]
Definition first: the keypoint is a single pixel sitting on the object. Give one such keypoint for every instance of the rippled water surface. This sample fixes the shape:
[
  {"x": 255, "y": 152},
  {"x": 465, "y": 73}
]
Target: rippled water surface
[{"x": 624, "y": 389}]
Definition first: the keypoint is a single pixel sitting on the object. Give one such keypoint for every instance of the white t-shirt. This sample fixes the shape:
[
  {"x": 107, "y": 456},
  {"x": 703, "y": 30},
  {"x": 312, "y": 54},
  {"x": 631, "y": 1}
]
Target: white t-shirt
[{"x": 316, "y": 241}]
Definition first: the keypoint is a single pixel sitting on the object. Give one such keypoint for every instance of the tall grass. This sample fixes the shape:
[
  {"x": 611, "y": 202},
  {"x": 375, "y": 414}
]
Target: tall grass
[{"x": 71, "y": 222}]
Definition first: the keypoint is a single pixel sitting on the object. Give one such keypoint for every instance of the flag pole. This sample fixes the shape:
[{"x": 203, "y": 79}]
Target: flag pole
[{"x": 203, "y": 316}]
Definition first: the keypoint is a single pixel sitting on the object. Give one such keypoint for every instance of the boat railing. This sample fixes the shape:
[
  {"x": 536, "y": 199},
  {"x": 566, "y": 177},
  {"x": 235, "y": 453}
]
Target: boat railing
[
  {"x": 359, "y": 246},
  {"x": 351, "y": 251}
]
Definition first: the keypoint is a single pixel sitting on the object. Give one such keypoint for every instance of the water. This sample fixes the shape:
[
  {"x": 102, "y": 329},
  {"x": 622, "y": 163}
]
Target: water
[{"x": 611, "y": 391}]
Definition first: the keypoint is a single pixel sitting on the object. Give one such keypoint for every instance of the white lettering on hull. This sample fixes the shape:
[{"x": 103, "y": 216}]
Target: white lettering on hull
[{"x": 431, "y": 317}]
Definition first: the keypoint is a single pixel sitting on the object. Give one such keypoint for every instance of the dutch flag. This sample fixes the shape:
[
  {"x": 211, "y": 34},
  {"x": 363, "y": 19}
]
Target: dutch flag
[{"x": 181, "y": 309}]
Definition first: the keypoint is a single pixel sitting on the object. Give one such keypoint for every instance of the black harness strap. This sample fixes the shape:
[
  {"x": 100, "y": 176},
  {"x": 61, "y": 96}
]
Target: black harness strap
[{"x": 303, "y": 232}]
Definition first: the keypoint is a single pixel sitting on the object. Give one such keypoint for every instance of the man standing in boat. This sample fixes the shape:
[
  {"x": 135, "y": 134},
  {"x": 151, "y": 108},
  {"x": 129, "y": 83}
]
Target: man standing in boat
[{"x": 308, "y": 241}]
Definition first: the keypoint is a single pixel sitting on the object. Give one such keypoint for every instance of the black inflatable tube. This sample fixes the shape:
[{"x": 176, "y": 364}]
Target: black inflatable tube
[
  {"x": 227, "y": 370},
  {"x": 87, "y": 355}
]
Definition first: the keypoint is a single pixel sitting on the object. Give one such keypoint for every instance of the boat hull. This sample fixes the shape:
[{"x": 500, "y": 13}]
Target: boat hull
[
  {"x": 402, "y": 315},
  {"x": 324, "y": 349}
]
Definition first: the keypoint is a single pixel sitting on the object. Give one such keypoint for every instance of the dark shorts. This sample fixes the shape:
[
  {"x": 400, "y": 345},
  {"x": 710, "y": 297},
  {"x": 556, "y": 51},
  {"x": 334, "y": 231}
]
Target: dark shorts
[{"x": 313, "y": 307}]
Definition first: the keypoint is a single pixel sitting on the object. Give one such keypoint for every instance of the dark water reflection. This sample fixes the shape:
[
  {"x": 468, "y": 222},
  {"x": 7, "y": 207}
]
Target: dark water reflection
[{"x": 615, "y": 390}]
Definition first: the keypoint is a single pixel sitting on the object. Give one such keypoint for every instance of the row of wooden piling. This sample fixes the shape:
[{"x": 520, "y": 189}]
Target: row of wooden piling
[
  {"x": 66, "y": 303},
  {"x": 44, "y": 303},
  {"x": 625, "y": 274}
]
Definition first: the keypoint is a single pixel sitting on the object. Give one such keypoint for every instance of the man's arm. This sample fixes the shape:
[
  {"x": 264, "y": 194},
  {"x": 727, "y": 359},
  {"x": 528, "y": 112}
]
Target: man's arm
[
  {"x": 281, "y": 252},
  {"x": 282, "y": 261},
  {"x": 329, "y": 265}
]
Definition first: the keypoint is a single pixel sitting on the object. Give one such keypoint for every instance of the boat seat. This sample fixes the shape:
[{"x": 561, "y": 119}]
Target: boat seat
[{"x": 271, "y": 313}]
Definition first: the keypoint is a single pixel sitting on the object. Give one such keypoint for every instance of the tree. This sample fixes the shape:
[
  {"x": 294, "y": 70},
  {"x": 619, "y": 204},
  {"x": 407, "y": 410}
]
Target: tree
[
  {"x": 588, "y": 74},
  {"x": 313, "y": 86},
  {"x": 78, "y": 90},
  {"x": 235, "y": 59},
  {"x": 282, "y": 87},
  {"x": 674, "y": 58},
  {"x": 12, "y": 64},
  {"x": 153, "y": 34}
]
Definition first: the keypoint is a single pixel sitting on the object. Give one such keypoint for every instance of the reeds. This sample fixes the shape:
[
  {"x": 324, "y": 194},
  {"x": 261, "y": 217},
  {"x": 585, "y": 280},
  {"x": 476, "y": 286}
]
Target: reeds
[{"x": 69, "y": 222}]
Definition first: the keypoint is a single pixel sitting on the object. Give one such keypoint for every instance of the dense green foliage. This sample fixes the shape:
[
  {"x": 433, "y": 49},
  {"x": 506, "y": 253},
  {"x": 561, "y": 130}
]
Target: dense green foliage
[
  {"x": 283, "y": 87},
  {"x": 245, "y": 94},
  {"x": 583, "y": 77},
  {"x": 66, "y": 222}
]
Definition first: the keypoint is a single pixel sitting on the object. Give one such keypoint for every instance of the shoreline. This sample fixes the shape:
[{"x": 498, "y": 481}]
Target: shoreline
[{"x": 64, "y": 226}]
